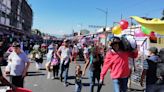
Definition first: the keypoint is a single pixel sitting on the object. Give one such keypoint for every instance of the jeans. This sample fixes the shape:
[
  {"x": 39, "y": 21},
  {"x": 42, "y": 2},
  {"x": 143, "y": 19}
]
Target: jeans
[
  {"x": 78, "y": 87},
  {"x": 92, "y": 76},
  {"x": 120, "y": 85},
  {"x": 64, "y": 68}
]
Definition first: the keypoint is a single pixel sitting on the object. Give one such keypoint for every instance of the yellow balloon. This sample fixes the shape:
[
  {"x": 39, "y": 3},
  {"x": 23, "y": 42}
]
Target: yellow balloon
[{"x": 116, "y": 30}]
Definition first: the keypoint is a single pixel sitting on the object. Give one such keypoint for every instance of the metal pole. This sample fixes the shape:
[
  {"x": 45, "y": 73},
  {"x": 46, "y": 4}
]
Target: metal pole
[
  {"x": 106, "y": 21},
  {"x": 106, "y": 33}
]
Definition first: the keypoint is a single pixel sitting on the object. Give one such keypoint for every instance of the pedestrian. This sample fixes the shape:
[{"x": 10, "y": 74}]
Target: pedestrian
[
  {"x": 65, "y": 55},
  {"x": 75, "y": 53},
  {"x": 160, "y": 72},
  {"x": 49, "y": 67},
  {"x": 3, "y": 80},
  {"x": 95, "y": 67},
  {"x": 86, "y": 52},
  {"x": 18, "y": 64},
  {"x": 37, "y": 55},
  {"x": 150, "y": 69},
  {"x": 55, "y": 64},
  {"x": 116, "y": 60},
  {"x": 78, "y": 79}
]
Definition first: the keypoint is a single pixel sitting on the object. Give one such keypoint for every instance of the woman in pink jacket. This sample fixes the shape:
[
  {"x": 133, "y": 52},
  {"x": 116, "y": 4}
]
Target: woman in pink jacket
[{"x": 116, "y": 60}]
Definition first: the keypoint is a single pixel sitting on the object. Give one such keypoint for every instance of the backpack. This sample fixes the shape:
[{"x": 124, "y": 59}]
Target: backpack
[
  {"x": 160, "y": 68},
  {"x": 129, "y": 43}
]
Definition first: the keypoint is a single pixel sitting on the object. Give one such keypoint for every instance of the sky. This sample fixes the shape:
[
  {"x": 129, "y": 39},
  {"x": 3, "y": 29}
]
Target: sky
[{"x": 60, "y": 17}]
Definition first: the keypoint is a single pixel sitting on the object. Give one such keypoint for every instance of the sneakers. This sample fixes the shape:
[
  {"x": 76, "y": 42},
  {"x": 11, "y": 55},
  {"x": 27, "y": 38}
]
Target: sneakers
[
  {"x": 48, "y": 75},
  {"x": 52, "y": 78},
  {"x": 66, "y": 84}
]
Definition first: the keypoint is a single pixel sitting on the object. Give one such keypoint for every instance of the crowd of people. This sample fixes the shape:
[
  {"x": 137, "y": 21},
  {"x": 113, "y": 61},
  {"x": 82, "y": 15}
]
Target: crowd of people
[{"x": 98, "y": 58}]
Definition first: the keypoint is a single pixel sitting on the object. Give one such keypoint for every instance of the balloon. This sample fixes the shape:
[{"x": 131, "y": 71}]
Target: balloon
[
  {"x": 124, "y": 24},
  {"x": 152, "y": 34},
  {"x": 139, "y": 33},
  {"x": 145, "y": 30},
  {"x": 116, "y": 30}
]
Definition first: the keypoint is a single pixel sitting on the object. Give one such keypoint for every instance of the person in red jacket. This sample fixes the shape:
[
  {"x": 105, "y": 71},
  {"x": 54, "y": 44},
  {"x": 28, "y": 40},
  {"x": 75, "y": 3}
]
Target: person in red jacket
[{"x": 116, "y": 60}]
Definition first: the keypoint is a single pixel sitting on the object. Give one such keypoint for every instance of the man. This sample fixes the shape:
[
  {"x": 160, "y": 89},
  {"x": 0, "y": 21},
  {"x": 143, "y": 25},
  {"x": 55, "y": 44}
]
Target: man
[
  {"x": 116, "y": 60},
  {"x": 18, "y": 64},
  {"x": 64, "y": 53},
  {"x": 150, "y": 70}
]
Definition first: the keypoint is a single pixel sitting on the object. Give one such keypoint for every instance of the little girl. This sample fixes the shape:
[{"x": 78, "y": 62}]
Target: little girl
[{"x": 78, "y": 79}]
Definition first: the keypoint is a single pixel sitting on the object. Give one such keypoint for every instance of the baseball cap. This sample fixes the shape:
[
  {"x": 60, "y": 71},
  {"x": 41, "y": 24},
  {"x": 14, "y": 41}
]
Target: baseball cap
[{"x": 153, "y": 50}]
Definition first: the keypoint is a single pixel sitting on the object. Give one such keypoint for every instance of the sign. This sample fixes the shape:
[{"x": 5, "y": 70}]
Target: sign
[{"x": 95, "y": 26}]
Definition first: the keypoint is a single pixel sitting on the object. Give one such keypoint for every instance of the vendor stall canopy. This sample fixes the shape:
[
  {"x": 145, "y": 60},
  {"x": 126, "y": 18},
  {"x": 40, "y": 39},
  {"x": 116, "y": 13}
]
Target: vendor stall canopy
[{"x": 155, "y": 25}]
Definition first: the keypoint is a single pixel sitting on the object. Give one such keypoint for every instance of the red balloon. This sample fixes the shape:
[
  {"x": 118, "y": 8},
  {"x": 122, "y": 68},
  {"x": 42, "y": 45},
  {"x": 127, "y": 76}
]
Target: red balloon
[
  {"x": 153, "y": 38},
  {"x": 152, "y": 34},
  {"x": 124, "y": 24}
]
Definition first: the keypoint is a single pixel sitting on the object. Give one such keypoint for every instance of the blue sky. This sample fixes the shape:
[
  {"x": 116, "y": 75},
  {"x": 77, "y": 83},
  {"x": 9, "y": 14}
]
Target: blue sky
[{"x": 62, "y": 16}]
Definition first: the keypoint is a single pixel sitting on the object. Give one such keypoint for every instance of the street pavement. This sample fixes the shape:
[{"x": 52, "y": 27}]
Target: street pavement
[{"x": 37, "y": 81}]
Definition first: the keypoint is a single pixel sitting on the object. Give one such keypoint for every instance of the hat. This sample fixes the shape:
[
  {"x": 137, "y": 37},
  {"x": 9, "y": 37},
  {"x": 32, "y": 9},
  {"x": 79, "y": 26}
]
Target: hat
[
  {"x": 16, "y": 44},
  {"x": 153, "y": 50}
]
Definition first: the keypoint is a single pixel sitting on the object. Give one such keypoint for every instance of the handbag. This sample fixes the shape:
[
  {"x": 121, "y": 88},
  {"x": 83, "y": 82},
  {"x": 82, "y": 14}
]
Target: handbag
[{"x": 54, "y": 62}]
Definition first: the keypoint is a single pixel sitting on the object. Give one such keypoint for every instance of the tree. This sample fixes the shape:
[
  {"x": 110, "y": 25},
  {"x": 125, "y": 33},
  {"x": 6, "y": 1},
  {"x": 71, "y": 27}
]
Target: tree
[
  {"x": 84, "y": 31},
  {"x": 36, "y": 31}
]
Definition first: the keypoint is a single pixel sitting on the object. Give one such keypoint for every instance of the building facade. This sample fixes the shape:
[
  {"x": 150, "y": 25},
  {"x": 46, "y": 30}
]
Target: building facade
[{"x": 16, "y": 18}]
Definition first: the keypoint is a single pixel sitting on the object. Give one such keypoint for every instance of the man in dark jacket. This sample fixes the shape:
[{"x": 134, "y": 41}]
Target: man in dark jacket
[{"x": 150, "y": 70}]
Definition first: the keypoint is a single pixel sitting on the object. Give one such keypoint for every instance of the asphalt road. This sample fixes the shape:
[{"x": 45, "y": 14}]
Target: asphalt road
[{"x": 37, "y": 81}]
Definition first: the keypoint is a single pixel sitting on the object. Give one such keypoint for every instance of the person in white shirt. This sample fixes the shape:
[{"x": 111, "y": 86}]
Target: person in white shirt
[
  {"x": 64, "y": 53},
  {"x": 86, "y": 53},
  {"x": 18, "y": 64},
  {"x": 75, "y": 52}
]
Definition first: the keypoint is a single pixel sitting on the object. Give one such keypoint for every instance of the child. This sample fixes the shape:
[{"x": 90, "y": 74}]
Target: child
[
  {"x": 55, "y": 65},
  {"x": 78, "y": 81}
]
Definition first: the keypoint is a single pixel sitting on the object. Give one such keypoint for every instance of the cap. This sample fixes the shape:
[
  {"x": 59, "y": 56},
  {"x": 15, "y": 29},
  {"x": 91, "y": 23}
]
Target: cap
[
  {"x": 16, "y": 44},
  {"x": 153, "y": 50},
  {"x": 115, "y": 39}
]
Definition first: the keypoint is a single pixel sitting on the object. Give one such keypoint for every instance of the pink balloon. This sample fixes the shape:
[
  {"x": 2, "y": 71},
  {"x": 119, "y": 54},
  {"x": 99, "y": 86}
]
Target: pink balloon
[
  {"x": 124, "y": 24},
  {"x": 139, "y": 33}
]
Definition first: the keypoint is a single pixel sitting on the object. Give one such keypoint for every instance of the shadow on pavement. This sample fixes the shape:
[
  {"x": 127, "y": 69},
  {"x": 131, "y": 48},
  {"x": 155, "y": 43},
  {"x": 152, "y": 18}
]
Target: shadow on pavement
[
  {"x": 85, "y": 78},
  {"x": 135, "y": 90},
  {"x": 35, "y": 73},
  {"x": 43, "y": 69},
  {"x": 39, "y": 74},
  {"x": 71, "y": 77}
]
